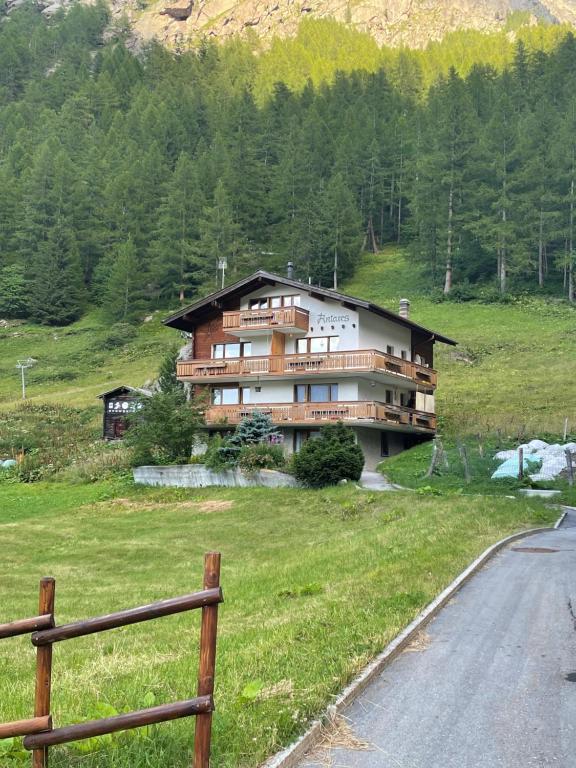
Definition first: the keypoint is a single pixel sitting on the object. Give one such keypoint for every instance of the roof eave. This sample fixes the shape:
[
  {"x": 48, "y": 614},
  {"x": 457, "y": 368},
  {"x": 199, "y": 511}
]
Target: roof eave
[{"x": 176, "y": 320}]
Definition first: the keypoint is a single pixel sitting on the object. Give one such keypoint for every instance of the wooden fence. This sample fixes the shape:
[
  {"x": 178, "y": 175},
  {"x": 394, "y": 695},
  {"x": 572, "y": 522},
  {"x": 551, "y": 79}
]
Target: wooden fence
[{"x": 39, "y": 732}]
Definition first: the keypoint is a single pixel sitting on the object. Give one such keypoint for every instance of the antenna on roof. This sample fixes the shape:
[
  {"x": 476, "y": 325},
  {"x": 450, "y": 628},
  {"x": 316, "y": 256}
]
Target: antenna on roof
[{"x": 222, "y": 265}]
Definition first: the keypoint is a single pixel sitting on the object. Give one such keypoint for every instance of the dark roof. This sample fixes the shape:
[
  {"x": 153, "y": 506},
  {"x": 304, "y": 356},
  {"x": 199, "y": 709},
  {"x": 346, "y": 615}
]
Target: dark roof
[
  {"x": 184, "y": 322},
  {"x": 124, "y": 389}
]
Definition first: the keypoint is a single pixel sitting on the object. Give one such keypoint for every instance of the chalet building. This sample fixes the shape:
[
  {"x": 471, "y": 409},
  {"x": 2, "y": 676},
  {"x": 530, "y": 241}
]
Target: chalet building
[
  {"x": 309, "y": 356},
  {"x": 119, "y": 404}
]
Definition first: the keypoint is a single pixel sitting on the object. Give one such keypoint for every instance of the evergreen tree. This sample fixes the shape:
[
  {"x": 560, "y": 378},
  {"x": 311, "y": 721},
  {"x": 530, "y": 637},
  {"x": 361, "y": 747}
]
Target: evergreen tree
[
  {"x": 123, "y": 284},
  {"x": 57, "y": 291}
]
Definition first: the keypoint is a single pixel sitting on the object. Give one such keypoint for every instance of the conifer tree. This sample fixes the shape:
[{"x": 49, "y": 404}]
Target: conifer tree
[
  {"x": 123, "y": 284},
  {"x": 57, "y": 291}
]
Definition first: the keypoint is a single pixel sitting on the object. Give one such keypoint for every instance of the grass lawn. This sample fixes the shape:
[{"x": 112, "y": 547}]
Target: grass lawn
[{"x": 316, "y": 583}]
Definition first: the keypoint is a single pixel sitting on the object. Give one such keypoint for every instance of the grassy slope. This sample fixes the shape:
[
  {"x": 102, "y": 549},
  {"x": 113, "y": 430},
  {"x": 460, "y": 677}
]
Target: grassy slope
[
  {"x": 513, "y": 370},
  {"x": 76, "y": 363},
  {"x": 315, "y": 583}
]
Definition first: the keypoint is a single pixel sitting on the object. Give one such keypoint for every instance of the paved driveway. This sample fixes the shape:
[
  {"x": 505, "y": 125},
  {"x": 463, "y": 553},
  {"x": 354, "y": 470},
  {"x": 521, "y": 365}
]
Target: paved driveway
[{"x": 494, "y": 683}]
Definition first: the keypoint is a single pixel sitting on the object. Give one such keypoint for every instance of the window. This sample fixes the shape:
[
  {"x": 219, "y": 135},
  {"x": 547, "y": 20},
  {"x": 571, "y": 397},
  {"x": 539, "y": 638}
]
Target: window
[
  {"x": 315, "y": 393},
  {"x": 389, "y": 349},
  {"x": 232, "y": 349},
  {"x": 230, "y": 395},
  {"x": 275, "y": 302},
  {"x": 404, "y": 355},
  {"x": 318, "y": 344},
  {"x": 258, "y": 303},
  {"x": 389, "y": 397},
  {"x": 301, "y": 435},
  {"x": 384, "y": 444}
]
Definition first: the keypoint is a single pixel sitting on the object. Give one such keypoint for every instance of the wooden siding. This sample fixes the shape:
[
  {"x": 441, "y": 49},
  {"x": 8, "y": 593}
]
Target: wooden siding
[{"x": 209, "y": 333}]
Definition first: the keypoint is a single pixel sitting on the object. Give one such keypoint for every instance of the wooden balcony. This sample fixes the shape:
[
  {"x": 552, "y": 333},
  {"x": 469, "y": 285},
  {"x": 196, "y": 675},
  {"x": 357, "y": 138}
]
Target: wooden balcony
[
  {"x": 252, "y": 322},
  {"x": 361, "y": 413},
  {"x": 283, "y": 366}
]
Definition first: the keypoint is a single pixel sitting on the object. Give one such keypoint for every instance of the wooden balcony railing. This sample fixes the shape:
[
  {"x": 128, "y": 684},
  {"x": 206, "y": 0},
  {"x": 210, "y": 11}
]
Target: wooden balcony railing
[
  {"x": 285, "y": 318},
  {"x": 322, "y": 413},
  {"x": 298, "y": 365}
]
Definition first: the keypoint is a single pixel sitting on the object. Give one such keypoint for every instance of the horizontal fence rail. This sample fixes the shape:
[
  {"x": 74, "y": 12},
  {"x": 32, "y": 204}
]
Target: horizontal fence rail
[
  {"x": 142, "y": 717},
  {"x": 39, "y": 732},
  {"x": 25, "y": 626},
  {"x": 132, "y": 616},
  {"x": 24, "y": 727}
]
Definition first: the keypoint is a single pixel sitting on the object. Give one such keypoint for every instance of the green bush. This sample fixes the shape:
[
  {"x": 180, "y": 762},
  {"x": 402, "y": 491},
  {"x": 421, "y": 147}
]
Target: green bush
[
  {"x": 332, "y": 457},
  {"x": 252, "y": 430},
  {"x": 119, "y": 335},
  {"x": 214, "y": 458},
  {"x": 261, "y": 456},
  {"x": 164, "y": 430}
]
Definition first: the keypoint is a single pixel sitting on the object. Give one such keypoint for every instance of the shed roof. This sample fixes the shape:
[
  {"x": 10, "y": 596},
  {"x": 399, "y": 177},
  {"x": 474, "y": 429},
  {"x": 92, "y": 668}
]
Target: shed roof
[{"x": 124, "y": 389}]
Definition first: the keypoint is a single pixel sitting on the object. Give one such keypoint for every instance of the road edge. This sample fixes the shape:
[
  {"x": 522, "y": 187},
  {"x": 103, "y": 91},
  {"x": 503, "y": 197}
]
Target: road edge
[{"x": 289, "y": 756}]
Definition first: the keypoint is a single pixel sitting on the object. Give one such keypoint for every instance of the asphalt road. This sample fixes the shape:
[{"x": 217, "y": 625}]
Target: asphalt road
[{"x": 496, "y": 685}]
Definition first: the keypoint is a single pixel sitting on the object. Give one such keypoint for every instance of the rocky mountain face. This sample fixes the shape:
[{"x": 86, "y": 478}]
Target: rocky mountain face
[{"x": 410, "y": 23}]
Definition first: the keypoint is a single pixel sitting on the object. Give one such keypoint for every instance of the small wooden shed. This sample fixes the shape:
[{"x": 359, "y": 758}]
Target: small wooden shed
[{"x": 119, "y": 404}]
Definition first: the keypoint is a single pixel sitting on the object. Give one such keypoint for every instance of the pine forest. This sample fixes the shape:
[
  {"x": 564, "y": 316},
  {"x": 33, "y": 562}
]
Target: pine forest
[{"x": 126, "y": 175}]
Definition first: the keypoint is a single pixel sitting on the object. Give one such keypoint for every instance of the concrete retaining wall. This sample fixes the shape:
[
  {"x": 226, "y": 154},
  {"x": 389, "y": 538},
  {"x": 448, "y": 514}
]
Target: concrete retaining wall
[{"x": 199, "y": 476}]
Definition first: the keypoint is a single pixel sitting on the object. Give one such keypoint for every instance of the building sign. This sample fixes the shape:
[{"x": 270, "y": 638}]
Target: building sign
[
  {"x": 322, "y": 317},
  {"x": 123, "y": 406}
]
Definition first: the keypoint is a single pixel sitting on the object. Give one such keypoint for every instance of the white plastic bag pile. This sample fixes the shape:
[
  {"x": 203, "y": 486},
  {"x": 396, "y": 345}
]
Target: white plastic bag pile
[{"x": 553, "y": 457}]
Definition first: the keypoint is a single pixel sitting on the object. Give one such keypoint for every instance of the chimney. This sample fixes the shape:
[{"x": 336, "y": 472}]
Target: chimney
[
  {"x": 404, "y": 308},
  {"x": 290, "y": 271}
]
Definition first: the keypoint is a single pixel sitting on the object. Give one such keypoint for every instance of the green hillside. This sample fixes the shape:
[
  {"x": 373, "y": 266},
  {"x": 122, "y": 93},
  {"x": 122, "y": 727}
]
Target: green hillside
[
  {"x": 79, "y": 361},
  {"x": 512, "y": 370}
]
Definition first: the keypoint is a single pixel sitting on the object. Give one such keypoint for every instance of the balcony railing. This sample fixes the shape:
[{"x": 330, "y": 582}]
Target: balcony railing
[
  {"x": 298, "y": 365},
  {"x": 322, "y": 413},
  {"x": 281, "y": 319}
]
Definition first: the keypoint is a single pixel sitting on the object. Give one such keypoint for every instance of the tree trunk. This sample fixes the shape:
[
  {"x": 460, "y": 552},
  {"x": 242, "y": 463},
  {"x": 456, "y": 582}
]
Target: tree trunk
[
  {"x": 503, "y": 267},
  {"x": 371, "y": 236},
  {"x": 571, "y": 243},
  {"x": 400, "y": 192},
  {"x": 541, "y": 250},
  {"x": 448, "y": 276}
]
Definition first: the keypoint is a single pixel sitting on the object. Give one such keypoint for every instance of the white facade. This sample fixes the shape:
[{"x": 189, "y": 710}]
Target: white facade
[
  {"x": 309, "y": 356},
  {"x": 350, "y": 330}
]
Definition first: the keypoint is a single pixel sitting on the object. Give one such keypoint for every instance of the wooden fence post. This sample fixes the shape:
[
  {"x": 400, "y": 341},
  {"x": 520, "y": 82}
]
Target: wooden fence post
[
  {"x": 520, "y": 463},
  {"x": 464, "y": 456},
  {"x": 43, "y": 669},
  {"x": 569, "y": 467},
  {"x": 207, "y": 662}
]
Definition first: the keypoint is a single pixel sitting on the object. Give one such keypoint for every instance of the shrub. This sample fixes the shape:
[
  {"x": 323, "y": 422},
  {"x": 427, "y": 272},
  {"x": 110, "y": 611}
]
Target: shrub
[
  {"x": 119, "y": 335},
  {"x": 163, "y": 431},
  {"x": 252, "y": 430},
  {"x": 260, "y": 456},
  {"x": 332, "y": 457},
  {"x": 214, "y": 458}
]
